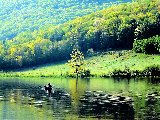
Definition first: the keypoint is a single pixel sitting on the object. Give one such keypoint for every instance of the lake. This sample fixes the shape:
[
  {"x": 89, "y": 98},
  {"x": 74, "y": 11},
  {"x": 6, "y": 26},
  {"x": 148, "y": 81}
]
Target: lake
[{"x": 25, "y": 99}]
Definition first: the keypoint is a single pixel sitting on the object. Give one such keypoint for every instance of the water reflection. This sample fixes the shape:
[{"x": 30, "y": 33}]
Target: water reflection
[
  {"x": 26, "y": 97},
  {"x": 154, "y": 80},
  {"x": 152, "y": 111},
  {"x": 31, "y": 95},
  {"x": 104, "y": 105}
]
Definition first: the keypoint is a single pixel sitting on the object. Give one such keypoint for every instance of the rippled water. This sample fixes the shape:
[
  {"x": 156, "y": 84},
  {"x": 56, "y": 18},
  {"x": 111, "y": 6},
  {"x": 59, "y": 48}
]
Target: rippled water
[{"x": 24, "y": 99}]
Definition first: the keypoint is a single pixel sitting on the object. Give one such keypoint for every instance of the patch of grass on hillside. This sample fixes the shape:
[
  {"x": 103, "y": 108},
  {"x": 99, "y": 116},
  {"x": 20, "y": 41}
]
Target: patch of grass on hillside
[
  {"x": 105, "y": 64},
  {"x": 98, "y": 65}
]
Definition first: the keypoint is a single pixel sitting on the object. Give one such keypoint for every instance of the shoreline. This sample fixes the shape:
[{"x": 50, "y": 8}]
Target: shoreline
[{"x": 126, "y": 65}]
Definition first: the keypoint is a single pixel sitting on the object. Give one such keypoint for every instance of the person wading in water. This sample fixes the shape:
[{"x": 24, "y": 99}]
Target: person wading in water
[{"x": 49, "y": 89}]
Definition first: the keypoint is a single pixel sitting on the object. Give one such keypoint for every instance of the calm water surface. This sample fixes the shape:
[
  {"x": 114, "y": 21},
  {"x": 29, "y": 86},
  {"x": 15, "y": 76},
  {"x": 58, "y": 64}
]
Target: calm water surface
[{"x": 24, "y": 99}]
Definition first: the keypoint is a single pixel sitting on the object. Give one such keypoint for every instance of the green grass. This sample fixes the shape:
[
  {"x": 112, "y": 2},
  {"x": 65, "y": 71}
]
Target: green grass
[
  {"x": 98, "y": 65},
  {"x": 104, "y": 64}
]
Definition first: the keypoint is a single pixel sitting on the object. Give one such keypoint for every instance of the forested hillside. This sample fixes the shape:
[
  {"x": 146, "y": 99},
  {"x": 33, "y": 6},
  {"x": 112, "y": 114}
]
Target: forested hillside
[
  {"x": 114, "y": 28},
  {"x": 29, "y": 15}
]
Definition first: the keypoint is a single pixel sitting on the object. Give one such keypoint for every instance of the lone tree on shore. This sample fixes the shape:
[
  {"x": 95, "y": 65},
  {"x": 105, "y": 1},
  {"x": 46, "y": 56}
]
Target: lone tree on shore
[{"x": 76, "y": 62}]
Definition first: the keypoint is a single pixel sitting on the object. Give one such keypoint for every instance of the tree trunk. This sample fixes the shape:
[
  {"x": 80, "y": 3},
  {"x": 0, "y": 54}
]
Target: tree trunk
[{"x": 77, "y": 76}]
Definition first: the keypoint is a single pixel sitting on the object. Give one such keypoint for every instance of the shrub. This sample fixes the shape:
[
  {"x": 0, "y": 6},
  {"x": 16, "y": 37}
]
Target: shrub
[
  {"x": 121, "y": 73},
  {"x": 152, "y": 71},
  {"x": 86, "y": 73},
  {"x": 148, "y": 46}
]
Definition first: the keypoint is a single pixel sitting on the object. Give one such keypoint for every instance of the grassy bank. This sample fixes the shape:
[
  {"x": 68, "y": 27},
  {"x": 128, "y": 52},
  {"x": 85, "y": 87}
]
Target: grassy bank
[{"x": 100, "y": 65}]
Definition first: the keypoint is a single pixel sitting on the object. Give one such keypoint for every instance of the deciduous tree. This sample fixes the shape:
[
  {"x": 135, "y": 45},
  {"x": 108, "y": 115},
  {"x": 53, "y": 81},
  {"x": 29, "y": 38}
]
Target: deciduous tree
[{"x": 76, "y": 62}]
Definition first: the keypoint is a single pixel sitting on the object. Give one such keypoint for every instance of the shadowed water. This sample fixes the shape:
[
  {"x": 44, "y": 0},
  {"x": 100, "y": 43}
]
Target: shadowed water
[{"x": 79, "y": 99}]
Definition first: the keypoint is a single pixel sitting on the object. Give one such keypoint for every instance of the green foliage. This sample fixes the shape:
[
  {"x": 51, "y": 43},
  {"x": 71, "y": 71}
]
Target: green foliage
[
  {"x": 99, "y": 66},
  {"x": 17, "y": 16},
  {"x": 76, "y": 62},
  {"x": 126, "y": 73},
  {"x": 151, "y": 71},
  {"x": 114, "y": 28},
  {"x": 149, "y": 46},
  {"x": 85, "y": 74}
]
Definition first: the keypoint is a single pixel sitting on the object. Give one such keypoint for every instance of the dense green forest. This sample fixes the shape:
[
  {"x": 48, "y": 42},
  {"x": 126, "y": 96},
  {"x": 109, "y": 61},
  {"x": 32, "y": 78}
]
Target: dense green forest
[
  {"x": 116, "y": 27},
  {"x": 29, "y": 15}
]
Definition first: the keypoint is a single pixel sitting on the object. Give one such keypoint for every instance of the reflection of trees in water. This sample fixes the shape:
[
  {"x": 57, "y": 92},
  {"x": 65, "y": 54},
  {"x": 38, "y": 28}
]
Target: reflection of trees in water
[
  {"x": 152, "y": 102},
  {"x": 139, "y": 106},
  {"x": 154, "y": 80},
  {"x": 60, "y": 103},
  {"x": 30, "y": 94},
  {"x": 77, "y": 88},
  {"x": 152, "y": 111},
  {"x": 148, "y": 106},
  {"x": 104, "y": 105}
]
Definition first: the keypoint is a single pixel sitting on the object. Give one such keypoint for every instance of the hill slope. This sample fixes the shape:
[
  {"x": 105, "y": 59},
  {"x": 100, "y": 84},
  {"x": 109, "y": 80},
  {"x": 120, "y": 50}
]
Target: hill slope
[
  {"x": 100, "y": 65},
  {"x": 29, "y": 15},
  {"x": 114, "y": 28}
]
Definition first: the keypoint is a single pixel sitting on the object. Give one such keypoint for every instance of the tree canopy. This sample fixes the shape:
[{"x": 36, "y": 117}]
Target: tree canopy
[
  {"x": 116, "y": 27},
  {"x": 17, "y": 16},
  {"x": 76, "y": 62}
]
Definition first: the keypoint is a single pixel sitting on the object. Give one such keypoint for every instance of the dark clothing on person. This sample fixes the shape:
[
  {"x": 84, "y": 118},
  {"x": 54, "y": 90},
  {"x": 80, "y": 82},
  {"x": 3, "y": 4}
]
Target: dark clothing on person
[
  {"x": 49, "y": 85},
  {"x": 48, "y": 88}
]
